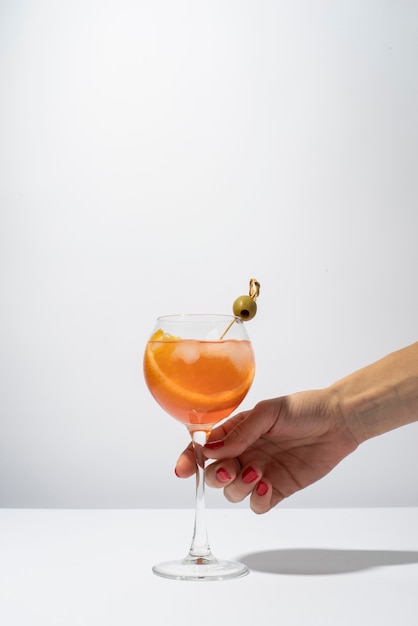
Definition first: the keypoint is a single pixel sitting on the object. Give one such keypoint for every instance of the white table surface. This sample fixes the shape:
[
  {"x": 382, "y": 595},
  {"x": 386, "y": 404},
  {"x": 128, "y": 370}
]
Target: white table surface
[{"x": 308, "y": 567}]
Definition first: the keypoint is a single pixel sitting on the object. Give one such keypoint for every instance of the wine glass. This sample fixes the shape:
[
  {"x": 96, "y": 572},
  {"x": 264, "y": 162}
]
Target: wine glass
[{"x": 199, "y": 368}]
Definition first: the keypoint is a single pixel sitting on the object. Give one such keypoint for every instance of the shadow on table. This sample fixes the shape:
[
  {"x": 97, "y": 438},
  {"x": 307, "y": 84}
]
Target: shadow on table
[{"x": 323, "y": 562}]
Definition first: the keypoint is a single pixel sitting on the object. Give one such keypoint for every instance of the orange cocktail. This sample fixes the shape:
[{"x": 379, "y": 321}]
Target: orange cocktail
[
  {"x": 198, "y": 382},
  {"x": 199, "y": 369}
]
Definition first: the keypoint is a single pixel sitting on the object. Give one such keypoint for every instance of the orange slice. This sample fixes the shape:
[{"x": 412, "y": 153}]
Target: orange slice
[{"x": 189, "y": 376}]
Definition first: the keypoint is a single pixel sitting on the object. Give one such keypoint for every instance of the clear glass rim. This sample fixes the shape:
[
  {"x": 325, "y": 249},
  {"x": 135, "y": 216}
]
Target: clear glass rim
[{"x": 198, "y": 317}]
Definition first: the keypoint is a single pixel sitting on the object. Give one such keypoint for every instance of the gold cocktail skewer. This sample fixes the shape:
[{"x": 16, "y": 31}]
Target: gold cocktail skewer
[{"x": 245, "y": 307}]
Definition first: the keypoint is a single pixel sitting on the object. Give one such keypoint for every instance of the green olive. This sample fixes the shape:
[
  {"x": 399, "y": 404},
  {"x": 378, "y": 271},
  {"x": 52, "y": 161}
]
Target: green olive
[{"x": 245, "y": 308}]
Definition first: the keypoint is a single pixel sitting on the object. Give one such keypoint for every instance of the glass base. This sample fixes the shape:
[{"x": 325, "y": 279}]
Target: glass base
[{"x": 200, "y": 569}]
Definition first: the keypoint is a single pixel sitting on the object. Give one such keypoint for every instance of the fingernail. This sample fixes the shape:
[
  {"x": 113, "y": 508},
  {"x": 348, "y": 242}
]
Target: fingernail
[
  {"x": 222, "y": 475},
  {"x": 176, "y": 472},
  {"x": 214, "y": 445},
  {"x": 262, "y": 488},
  {"x": 249, "y": 475}
]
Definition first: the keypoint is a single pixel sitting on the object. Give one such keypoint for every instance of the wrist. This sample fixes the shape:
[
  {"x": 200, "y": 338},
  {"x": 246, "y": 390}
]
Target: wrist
[
  {"x": 364, "y": 411},
  {"x": 381, "y": 396}
]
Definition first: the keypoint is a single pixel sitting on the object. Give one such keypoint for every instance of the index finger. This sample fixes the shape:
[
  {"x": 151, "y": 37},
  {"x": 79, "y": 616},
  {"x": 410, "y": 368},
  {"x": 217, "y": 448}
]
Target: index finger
[
  {"x": 221, "y": 431},
  {"x": 186, "y": 463},
  {"x": 234, "y": 436}
]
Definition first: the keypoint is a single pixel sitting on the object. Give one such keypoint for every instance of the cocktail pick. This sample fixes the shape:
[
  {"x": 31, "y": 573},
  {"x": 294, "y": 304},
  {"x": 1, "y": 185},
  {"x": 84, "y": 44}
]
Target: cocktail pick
[{"x": 245, "y": 307}]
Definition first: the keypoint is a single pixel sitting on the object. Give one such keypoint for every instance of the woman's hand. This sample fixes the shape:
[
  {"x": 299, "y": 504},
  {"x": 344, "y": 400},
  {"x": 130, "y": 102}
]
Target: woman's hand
[
  {"x": 275, "y": 449},
  {"x": 288, "y": 443}
]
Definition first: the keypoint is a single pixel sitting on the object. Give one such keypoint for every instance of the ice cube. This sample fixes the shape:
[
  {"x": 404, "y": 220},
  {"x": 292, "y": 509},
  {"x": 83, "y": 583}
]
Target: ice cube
[
  {"x": 187, "y": 351},
  {"x": 212, "y": 335}
]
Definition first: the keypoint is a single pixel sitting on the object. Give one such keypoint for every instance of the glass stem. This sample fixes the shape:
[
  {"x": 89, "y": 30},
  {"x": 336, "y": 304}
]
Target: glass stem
[{"x": 200, "y": 550}]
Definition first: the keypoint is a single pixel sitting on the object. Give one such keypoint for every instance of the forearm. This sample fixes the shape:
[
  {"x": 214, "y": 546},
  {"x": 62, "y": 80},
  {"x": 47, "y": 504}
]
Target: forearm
[{"x": 381, "y": 396}]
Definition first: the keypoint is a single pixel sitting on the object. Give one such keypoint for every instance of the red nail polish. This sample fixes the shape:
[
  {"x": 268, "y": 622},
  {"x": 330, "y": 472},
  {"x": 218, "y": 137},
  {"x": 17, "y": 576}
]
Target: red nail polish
[
  {"x": 249, "y": 475},
  {"x": 261, "y": 488},
  {"x": 222, "y": 475},
  {"x": 214, "y": 445}
]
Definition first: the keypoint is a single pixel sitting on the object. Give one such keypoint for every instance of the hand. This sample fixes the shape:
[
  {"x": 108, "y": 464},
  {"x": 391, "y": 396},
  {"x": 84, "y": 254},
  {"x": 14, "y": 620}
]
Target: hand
[
  {"x": 270, "y": 452},
  {"x": 286, "y": 444}
]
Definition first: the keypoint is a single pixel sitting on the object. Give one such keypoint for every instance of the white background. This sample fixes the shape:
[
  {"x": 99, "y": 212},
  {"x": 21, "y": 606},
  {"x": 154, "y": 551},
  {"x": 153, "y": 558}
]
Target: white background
[{"x": 155, "y": 155}]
